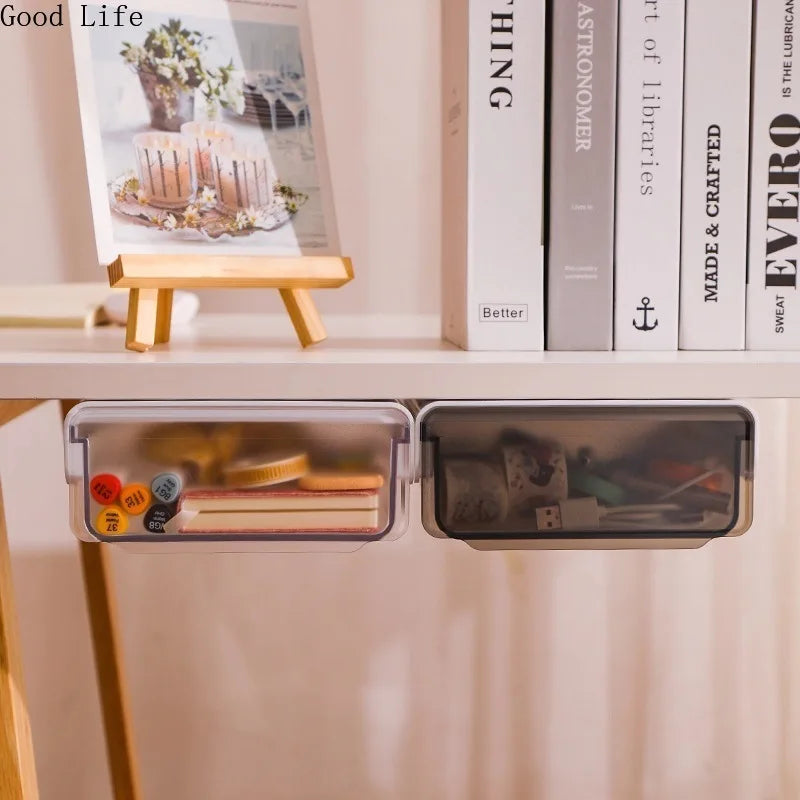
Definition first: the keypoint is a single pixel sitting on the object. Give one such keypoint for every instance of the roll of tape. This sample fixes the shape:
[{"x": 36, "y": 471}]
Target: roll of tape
[
  {"x": 254, "y": 472},
  {"x": 536, "y": 472},
  {"x": 474, "y": 492}
]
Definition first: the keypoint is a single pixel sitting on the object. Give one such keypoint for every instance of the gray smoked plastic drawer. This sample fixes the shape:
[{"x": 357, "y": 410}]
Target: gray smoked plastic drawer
[{"x": 594, "y": 474}]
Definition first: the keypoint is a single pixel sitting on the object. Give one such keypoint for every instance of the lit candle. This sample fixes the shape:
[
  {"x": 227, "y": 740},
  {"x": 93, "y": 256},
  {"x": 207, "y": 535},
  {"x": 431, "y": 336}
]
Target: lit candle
[
  {"x": 201, "y": 136},
  {"x": 243, "y": 176},
  {"x": 166, "y": 175}
]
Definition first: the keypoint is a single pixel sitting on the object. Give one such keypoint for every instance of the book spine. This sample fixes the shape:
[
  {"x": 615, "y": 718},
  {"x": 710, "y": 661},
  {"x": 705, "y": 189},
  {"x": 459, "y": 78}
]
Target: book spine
[
  {"x": 773, "y": 301},
  {"x": 582, "y": 150},
  {"x": 649, "y": 137},
  {"x": 716, "y": 144},
  {"x": 504, "y": 175},
  {"x": 455, "y": 140}
]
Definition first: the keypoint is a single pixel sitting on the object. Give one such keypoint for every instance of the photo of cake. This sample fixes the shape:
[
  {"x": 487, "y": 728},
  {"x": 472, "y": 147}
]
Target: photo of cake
[{"x": 201, "y": 131}]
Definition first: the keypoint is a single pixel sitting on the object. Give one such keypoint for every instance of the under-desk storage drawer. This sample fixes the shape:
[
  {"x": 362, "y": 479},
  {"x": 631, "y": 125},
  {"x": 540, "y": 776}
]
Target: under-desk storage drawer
[
  {"x": 278, "y": 475},
  {"x": 591, "y": 474}
]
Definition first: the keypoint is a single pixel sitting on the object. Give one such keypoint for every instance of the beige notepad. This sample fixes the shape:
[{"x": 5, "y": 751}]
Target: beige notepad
[
  {"x": 278, "y": 500},
  {"x": 285, "y": 510},
  {"x": 343, "y": 520},
  {"x": 62, "y": 305}
]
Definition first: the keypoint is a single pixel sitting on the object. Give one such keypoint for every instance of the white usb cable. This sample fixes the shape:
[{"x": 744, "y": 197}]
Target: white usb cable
[{"x": 585, "y": 514}]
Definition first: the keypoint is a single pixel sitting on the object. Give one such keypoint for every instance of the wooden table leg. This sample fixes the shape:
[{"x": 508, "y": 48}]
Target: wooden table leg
[
  {"x": 110, "y": 672},
  {"x": 149, "y": 318},
  {"x": 98, "y": 586},
  {"x": 17, "y": 767},
  {"x": 304, "y": 315}
]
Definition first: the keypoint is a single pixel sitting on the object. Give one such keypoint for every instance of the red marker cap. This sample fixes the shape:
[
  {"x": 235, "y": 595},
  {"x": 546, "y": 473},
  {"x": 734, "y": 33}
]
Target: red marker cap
[{"x": 105, "y": 489}]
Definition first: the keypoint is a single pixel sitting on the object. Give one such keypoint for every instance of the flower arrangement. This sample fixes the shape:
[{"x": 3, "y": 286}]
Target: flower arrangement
[
  {"x": 172, "y": 64},
  {"x": 202, "y": 215}
]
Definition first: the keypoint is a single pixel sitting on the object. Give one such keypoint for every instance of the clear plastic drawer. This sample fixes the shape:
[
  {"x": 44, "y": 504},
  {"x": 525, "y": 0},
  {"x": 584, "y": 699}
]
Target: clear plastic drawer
[
  {"x": 554, "y": 475},
  {"x": 284, "y": 476}
]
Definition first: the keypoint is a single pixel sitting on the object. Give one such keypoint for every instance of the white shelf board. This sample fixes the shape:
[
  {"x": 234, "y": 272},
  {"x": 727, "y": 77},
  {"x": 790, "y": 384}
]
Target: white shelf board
[{"x": 253, "y": 357}]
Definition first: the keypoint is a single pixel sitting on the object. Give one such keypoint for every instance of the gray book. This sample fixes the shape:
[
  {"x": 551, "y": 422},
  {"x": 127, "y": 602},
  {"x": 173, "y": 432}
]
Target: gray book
[{"x": 582, "y": 172}]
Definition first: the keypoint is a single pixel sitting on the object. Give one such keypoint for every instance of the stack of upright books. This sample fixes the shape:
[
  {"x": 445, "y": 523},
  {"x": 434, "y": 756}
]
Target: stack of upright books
[{"x": 621, "y": 174}]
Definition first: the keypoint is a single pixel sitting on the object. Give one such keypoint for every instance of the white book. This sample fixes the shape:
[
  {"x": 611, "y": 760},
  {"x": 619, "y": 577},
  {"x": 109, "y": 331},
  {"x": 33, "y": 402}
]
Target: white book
[
  {"x": 773, "y": 301},
  {"x": 716, "y": 143},
  {"x": 649, "y": 137},
  {"x": 493, "y": 169}
]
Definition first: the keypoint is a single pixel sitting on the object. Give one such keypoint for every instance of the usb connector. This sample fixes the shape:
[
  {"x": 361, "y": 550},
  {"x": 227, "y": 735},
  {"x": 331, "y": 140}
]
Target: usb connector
[
  {"x": 585, "y": 514},
  {"x": 581, "y": 514}
]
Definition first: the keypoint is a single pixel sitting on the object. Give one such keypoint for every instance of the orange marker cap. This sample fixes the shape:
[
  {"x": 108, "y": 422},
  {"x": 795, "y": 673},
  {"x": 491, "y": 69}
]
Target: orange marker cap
[{"x": 135, "y": 499}]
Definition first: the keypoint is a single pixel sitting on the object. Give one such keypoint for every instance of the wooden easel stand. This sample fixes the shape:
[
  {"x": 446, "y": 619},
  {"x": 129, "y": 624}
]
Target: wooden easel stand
[{"x": 152, "y": 280}]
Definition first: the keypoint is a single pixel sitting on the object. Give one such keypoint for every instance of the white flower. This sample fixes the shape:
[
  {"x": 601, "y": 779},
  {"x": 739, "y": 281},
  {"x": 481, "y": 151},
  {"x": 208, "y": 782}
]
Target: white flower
[
  {"x": 208, "y": 196},
  {"x": 141, "y": 196},
  {"x": 162, "y": 40},
  {"x": 234, "y": 92},
  {"x": 169, "y": 223},
  {"x": 212, "y": 109},
  {"x": 135, "y": 54},
  {"x": 239, "y": 106},
  {"x": 165, "y": 71},
  {"x": 191, "y": 216},
  {"x": 245, "y": 219}
]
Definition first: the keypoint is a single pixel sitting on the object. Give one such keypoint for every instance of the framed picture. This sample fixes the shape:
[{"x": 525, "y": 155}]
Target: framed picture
[{"x": 203, "y": 129}]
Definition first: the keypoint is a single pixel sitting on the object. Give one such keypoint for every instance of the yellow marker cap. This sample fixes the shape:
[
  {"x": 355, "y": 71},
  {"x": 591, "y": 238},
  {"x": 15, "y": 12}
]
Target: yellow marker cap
[{"x": 112, "y": 521}]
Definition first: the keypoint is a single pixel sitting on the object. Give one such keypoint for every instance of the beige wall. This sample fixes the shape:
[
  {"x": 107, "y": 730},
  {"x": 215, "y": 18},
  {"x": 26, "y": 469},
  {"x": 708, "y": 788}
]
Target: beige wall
[
  {"x": 421, "y": 670},
  {"x": 378, "y": 64}
]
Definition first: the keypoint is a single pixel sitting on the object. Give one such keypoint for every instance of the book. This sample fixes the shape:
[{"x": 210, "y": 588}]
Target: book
[
  {"x": 773, "y": 304},
  {"x": 280, "y": 510},
  {"x": 649, "y": 137},
  {"x": 493, "y": 171},
  {"x": 580, "y": 268},
  {"x": 716, "y": 145}
]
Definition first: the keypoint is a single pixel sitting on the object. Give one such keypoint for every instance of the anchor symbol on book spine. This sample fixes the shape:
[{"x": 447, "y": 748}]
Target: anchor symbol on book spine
[{"x": 645, "y": 308}]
